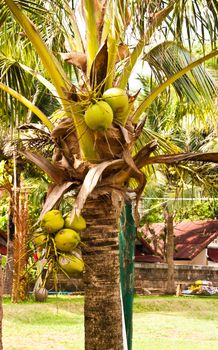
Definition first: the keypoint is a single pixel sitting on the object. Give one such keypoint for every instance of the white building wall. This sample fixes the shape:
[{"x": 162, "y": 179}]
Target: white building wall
[
  {"x": 213, "y": 244},
  {"x": 200, "y": 259}
]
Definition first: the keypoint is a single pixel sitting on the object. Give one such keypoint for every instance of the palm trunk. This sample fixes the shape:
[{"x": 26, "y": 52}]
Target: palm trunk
[
  {"x": 170, "y": 253},
  {"x": 8, "y": 275},
  {"x": 19, "y": 288},
  {"x": 103, "y": 316}
]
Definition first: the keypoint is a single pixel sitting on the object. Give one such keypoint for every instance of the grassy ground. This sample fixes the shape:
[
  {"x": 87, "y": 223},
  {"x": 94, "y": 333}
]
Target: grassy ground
[{"x": 160, "y": 323}]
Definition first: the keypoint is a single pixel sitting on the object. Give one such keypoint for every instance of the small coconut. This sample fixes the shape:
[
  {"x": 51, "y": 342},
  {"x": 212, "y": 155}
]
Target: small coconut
[
  {"x": 39, "y": 239},
  {"x": 119, "y": 102},
  {"x": 66, "y": 240},
  {"x": 99, "y": 116},
  {"x": 40, "y": 294},
  {"x": 52, "y": 221},
  {"x": 77, "y": 224},
  {"x": 72, "y": 264}
]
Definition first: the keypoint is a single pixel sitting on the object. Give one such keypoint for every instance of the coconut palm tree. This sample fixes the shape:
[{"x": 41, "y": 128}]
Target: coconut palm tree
[{"x": 95, "y": 156}]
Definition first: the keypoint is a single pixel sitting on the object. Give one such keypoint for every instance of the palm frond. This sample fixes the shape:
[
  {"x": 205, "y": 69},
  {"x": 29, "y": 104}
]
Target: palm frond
[
  {"x": 28, "y": 104},
  {"x": 51, "y": 64},
  {"x": 159, "y": 89},
  {"x": 91, "y": 31},
  {"x": 193, "y": 20},
  {"x": 145, "y": 37},
  {"x": 168, "y": 58}
]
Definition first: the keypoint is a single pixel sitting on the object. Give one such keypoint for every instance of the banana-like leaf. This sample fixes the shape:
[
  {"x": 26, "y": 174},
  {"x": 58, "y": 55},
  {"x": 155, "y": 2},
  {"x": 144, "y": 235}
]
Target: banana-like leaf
[
  {"x": 28, "y": 104},
  {"x": 113, "y": 41},
  {"x": 55, "y": 173},
  {"x": 158, "y": 90}
]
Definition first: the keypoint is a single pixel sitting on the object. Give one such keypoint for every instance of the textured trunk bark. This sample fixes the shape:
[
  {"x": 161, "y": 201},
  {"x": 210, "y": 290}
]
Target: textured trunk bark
[
  {"x": 19, "y": 287},
  {"x": 103, "y": 316},
  {"x": 170, "y": 253},
  {"x": 8, "y": 275}
]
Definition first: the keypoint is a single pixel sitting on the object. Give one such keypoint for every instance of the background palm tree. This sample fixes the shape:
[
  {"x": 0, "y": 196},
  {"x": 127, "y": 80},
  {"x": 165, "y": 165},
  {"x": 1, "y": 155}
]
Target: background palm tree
[{"x": 96, "y": 165}]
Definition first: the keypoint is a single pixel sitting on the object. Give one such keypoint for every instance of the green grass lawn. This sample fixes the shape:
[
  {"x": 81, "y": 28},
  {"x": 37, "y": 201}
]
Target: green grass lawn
[{"x": 189, "y": 323}]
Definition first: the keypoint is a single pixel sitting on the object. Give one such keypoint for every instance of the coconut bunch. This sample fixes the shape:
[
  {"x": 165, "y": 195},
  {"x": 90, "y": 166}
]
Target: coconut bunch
[
  {"x": 112, "y": 107},
  {"x": 9, "y": 167},
  {"x": 59, "y": 238}
]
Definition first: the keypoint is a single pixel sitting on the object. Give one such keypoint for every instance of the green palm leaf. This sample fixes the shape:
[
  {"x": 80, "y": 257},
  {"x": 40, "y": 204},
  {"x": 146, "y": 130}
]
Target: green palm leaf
[
  {"x": 158, "y": 90},
  {"x": 50, "y": 63},
  {"x": 28, "y": 104},
  {"x": 168, "y": 58}
]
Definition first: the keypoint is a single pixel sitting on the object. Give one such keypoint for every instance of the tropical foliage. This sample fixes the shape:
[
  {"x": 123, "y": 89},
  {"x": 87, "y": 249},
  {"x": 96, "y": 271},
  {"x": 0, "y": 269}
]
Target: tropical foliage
[{"x": 71, "y": 54}]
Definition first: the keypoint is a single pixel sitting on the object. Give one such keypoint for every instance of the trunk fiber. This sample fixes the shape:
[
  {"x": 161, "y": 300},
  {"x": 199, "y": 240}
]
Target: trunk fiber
[
  {"x": 103, "y": 316},
  {"x": 19, "y": 287},
  {"x": 8, "y": 275},
  {"x": 170, "y": 254}
]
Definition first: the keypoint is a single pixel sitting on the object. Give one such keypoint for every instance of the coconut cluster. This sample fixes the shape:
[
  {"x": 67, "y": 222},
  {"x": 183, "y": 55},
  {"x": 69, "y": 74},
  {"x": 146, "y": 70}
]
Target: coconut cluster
[
  {"x": 112, "y": 107},
  {"x": 61, "y": 236}
]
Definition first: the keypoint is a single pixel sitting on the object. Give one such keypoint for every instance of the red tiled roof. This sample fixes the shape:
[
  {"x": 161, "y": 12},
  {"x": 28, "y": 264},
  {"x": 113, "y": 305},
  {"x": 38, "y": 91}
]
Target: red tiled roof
[
  {"x": 190, "y": 237},
  {"x": 144, "y": 252},
  {"x": 193, "y": 237},
  {"x": 146, "y": 246}
]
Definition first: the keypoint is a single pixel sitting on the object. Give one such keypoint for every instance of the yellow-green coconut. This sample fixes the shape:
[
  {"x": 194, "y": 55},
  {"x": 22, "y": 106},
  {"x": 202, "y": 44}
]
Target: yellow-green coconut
[
  {"x": 71, "y": 264},
  {"x": 39, "y": 239},
  {"x": 66, "y": 240},
  {"x": 99, "y": 116},
  {"x": 119, "y": 102},
  {"x": 52, "y": 221},
  {"x": 77, "y": 224}
]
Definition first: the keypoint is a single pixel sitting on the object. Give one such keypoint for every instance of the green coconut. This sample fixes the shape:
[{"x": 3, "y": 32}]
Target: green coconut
[
  {"x": 72, "y": 264},
  {"x": 52, "y": 221},
  {"x": 99, "y": 116},
  {"x": 119, "y": 102},
  {"x": 66, "y": 240},
  {"x": 39, "y": 238},
  {"x": 77, "y": 224}
]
